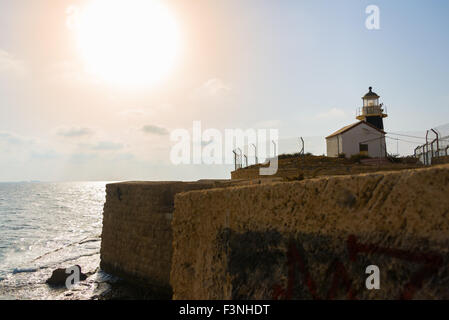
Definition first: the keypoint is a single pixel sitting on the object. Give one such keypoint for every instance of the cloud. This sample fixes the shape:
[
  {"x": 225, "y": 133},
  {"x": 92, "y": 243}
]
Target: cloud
[
  {"x": 212, "y": 87},
  {"x": 107, "y": 145},
  {"x": 45, "y": 155},
  {"x": 69, "y": 72},
  {"x": 332, "y": 113},
  {"x": 268, "y": 124},
  {"x": 133, "y": 112},
  {"x": 74, "y": 132},
  {"x": 14, "y": 139},
  {"x": 8, "y": 63},
  {"x": 81, "y": 157},
  {"x": 155, "y": 130}
]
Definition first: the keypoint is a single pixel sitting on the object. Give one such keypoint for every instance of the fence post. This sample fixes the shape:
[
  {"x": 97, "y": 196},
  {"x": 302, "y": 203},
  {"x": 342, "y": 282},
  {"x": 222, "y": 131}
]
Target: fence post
[
  {"x": 240, "y": 157},
  {"x": 438, "y": 144},
  {"x": 255, "y": 153},
  {"x": 235, "y": 159}
]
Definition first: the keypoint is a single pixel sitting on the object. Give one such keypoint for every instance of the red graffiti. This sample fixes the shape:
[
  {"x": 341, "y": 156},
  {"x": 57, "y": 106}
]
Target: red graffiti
[
  {"x": 293, "y": 257},
  {"x": 340, "y": 280},
  {"x": 431, "y": 262}
]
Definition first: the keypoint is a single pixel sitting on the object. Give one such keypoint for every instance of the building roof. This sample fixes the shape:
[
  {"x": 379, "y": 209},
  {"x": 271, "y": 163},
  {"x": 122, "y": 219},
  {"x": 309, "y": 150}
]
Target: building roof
[
  {"x": 371, "y": 94},
  {"x": 351, "y": 126}
]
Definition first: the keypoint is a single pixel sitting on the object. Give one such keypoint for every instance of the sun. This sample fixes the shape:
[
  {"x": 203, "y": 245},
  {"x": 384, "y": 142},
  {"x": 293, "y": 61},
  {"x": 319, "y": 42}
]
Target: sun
[{"x": 128, "y": 42}]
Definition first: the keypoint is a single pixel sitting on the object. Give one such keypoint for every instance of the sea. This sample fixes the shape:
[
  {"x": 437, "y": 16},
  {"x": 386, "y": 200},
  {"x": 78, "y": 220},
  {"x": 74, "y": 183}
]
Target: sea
[{"x": 45, "y": 226}]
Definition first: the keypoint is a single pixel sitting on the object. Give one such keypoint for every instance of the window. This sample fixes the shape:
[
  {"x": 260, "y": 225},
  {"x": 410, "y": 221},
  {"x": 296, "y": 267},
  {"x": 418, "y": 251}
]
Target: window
[{"x": 363, "y": 147}]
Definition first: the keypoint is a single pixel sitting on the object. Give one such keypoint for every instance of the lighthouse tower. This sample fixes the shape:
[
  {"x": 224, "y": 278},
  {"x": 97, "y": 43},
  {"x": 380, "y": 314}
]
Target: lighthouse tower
[{"x": 372, "y": 112}]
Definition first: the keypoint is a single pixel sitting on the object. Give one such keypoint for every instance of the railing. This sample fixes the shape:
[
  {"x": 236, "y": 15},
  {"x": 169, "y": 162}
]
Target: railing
[{"x": 374, "y": 110}]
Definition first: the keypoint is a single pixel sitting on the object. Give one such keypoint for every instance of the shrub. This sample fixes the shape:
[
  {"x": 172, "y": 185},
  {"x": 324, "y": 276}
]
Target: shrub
[
  {"x": 356, "y": 158},
  {"x": 394, "y": 158},
  {"x": 298, "y": 177},
  {"x": 288, "y": 156}
]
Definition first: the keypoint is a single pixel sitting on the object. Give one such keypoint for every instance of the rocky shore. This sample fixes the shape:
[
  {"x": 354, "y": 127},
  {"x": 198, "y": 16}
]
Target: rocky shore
[{"x": 32, "y": 283}]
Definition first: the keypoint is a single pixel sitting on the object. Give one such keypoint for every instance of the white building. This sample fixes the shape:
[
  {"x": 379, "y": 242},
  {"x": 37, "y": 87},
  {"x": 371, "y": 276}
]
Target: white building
[{"x": 366, "y": 136}]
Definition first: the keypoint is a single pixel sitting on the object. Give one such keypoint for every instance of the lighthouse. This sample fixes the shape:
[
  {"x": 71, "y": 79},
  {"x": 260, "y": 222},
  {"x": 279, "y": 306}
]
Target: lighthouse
[
  {"x": 372, "y": 111},
  {"x": 365, "y": 137}
]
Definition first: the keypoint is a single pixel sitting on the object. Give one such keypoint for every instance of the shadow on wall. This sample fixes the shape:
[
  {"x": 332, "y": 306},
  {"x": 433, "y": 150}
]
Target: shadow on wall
[{"x": 266, "y": 265}]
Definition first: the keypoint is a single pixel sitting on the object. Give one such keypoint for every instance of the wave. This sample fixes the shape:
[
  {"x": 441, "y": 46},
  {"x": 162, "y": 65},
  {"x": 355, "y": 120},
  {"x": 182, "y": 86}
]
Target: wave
[
  {"x": 16, "y": 271},
  {"x": 83, "y": 241}
]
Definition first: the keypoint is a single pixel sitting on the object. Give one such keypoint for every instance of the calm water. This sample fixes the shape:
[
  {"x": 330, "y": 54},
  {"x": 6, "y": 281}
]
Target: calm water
[{"x": 44, "y": 226}]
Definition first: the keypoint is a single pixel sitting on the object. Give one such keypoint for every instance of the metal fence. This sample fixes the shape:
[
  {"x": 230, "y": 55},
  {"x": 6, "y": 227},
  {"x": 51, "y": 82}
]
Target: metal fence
[
  {"x": 250, "y": 154},
  {"x": 437, "y": 145}
]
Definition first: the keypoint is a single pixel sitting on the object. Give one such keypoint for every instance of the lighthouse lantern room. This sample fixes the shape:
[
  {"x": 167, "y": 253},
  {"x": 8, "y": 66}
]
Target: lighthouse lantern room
[{"x": 372, "y": 111}]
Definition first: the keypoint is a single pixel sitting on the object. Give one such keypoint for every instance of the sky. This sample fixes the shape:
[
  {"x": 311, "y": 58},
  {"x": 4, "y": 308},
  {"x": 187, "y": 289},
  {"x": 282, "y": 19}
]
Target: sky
[{"x": 299, "y": 66}]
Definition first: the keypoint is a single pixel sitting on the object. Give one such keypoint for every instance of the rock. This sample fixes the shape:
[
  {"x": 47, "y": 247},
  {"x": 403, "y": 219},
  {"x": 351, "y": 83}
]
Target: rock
[{"x": 59, "y": 276}]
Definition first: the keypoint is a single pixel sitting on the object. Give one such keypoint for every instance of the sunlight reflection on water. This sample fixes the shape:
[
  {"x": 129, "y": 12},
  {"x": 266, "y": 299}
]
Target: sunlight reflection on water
[{"x": 43, "y": 224}]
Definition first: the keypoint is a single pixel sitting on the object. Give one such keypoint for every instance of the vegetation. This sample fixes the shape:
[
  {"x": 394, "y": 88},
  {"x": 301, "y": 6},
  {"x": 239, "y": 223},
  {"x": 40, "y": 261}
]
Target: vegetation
[
  {"x": 395, "y": 158},
  {"x": 288, "y": 155},
  {"x": 357, "y": 158},
  {"x": 298, "y": 177}
]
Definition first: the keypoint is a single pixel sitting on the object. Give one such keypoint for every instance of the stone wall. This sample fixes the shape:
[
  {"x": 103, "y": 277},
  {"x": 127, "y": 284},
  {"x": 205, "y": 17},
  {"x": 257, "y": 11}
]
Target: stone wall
[
  {"x": 316, "y": 166},
  {"x": 313, "y": 239},
  {"x": 137, "y": 236}
]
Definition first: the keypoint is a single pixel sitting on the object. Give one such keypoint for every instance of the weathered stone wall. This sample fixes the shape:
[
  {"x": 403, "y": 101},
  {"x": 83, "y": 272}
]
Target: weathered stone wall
[
  {"x": 315, "y": 238},
  {"x": 137, "y": 236},
  {"x": 313, "y": 167}
]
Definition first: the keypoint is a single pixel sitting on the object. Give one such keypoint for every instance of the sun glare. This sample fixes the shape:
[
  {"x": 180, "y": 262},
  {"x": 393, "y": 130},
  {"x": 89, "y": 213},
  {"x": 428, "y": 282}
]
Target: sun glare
[{"x": 128, "y": 42}]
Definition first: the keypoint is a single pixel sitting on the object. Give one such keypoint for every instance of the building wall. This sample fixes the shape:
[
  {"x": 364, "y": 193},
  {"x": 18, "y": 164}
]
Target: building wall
[
  {"x": 363, "y": 134},
  {"x": 334, "y": 146},
  {"x": 313, "y": 239}
]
